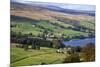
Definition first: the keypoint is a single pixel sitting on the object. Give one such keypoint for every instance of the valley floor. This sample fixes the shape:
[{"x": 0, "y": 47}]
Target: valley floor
[{"x": 19, "y": 57}]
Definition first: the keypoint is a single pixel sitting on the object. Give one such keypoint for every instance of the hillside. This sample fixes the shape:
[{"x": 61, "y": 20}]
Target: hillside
[
  {"x": 36, "y": 12},
  {"x": 35, "y": 19},
  {"x": 51, "y": 33}
]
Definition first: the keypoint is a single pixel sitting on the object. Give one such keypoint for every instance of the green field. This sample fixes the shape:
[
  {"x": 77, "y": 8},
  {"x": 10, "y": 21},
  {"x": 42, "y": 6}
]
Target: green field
[
  {"x": 38, "y": 34},
  {"x": 19, "y": 57},
  {"x": 88, "y": 24},
  {"x": 39, "y": 27}
]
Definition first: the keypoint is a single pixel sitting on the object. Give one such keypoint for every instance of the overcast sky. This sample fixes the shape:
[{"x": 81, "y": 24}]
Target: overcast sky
[
  {"x": 75, "y": 7},
  {"x": 90, "y": 2}
]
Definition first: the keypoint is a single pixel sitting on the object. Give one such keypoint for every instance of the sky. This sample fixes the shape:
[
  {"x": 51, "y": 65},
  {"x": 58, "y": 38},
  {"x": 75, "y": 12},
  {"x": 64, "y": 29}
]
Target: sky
[
  {"x": 75, "y": 7},
  {"x": 90, "y": 2},
  {"x": 80, "y": 7}
]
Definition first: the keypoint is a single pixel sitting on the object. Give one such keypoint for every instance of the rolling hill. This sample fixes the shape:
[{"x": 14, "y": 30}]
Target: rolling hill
[
  {"x": 36, "y": 17},
  {"x": 39, "y": 29}
]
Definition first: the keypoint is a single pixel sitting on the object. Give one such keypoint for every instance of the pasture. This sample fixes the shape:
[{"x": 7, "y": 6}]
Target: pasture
[{"x": 45, "y": 55}]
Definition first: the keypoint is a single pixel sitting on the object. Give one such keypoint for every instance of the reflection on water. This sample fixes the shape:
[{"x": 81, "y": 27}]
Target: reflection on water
[{"x": 80, "y": 42}]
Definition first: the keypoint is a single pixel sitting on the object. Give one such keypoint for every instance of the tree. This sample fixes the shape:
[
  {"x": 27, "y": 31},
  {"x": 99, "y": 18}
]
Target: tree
[
  {"x": 72, "y": 58},
  {"x": 33, "y": 45},
  {"x": 36, "y": 44},
  {"x": 30, "y": 34},
  {"x": 88, "y": 52},
  {"x": 61, "y": 44},
  {"x": 56, "y": 43},
  {"x": 38, "y": 47},
  {"x": 78, "y": 49},
  {"x": 26, "y": 44},
  {"x": 25, "y": 47},
  {"x": 45, "y": 33}
]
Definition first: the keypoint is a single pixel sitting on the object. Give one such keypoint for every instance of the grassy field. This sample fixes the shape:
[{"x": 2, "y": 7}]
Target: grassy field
[
  {"x": 88, "y": 24},
  {"x": 19, "y": 57},
  {"x": 26, "y": 28},
  {"x": 45, "y": 23}
]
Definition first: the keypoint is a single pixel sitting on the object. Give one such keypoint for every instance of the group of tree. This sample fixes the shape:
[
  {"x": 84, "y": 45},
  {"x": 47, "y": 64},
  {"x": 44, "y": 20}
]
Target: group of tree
[
  {"x": 72, "y": 55},
  {"x": 88, "y": 52},
  {"x": 27, "y": 40},
  {"x": 81, "y": 54},
  {"x": 58, "y": 43}
]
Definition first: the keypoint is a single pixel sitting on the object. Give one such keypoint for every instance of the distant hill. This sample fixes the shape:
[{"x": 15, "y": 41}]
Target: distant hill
[
  {"x": 46, "y": 12},
  {"x": 66, "y": 8}
]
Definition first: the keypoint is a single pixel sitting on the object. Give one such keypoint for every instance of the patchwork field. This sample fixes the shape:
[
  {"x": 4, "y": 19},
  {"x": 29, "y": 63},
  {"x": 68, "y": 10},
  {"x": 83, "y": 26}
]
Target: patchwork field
[
  {"x": 39, "y": 27},
  {"x": 19, "y": 57},
  {"x": 39, "y": 30},
  {"x": 35, "y": 19}
]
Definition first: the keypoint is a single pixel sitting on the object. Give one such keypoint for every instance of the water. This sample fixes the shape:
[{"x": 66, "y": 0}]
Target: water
[{"x": 80, "y": 42}]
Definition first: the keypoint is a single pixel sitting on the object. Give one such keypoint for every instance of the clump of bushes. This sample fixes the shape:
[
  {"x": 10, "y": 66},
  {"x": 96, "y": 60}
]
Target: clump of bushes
[
  {"x": 88, "y": 52},
  {"x": 72, "y": 58},
  {"x": 84, "y": 54}
]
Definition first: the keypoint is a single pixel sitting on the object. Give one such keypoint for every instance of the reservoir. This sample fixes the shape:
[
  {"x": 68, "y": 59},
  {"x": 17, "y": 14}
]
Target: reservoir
[{"x": 81, "y": 42}]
